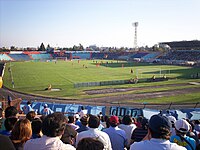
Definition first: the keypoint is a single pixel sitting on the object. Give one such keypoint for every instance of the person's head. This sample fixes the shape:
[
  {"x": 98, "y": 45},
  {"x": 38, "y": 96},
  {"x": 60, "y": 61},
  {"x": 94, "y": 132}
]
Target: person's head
[
  {"x": 76, "y": 116},
  {"x": 54, "y": 125},
  {"x": 31, "y": 115},
  {"x": 36, "y": 125},
  {"x": 159, "y": 127},
  {"x": 144, "y": 123},
  {"x": 182, "y": 126},
  {"x": 28, "y": 103},
  {"x": 139, "y": 119},
  {"x": 22, "y": 130},
  {"x": 127, "y": 120},
  {"x": 107, "y": 119},
  {"x": 114, "y": 121},
  {"x": 11, "y": 111},
  {"x": 172, "y": 120},
  {"x": 9, "y": 123},
  {"x": 45, "y": 105},
  {"x": 84, "y": 120},
  {"x": 71, "y": 119},
  {"x": 1, "y": 113},
  {"x": 82, "y": 108},
  {"x": 89, "y": 144},
  {"x": 93, "y": 122}
]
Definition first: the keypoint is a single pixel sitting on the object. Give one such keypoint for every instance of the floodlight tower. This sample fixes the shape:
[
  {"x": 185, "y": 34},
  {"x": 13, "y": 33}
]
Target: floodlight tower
[{"x": 135, "y": 24}]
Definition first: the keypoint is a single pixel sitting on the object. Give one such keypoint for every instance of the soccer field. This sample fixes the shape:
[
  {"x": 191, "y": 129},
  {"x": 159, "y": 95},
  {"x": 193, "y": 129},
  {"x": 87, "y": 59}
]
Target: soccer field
[{"x": 34, "y": 77}]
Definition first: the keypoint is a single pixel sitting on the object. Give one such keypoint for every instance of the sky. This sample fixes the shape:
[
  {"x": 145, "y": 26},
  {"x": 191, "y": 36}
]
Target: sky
[{"x": 107, "y": 23}]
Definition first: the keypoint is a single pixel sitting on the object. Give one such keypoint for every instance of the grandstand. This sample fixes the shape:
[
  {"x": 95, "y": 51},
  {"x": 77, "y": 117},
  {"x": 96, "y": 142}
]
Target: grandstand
[
  {"x": 5, "y": 57},
  {"x": 183, "y": 45},
  {"x": 41, "y": 56},
  {"x": 182, "y": 53},
  {"x": 19, "y": 57}
]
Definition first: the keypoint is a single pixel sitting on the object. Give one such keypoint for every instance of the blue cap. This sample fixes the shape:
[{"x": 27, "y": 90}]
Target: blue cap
[{"x": 156, "y": 122}]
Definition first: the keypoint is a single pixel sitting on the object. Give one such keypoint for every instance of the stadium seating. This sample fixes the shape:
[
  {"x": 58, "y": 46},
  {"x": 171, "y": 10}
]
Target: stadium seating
[
  {"x": 19, "y": 57},
  {"x": 98, "y": 55},
  {"x": 139, "y": 55},
  {"x": 5, "y": 57},
  {"x": 150, "y": 56},
  {"x": 186, "y": 55},
  {"x": 81, "y": 55},
  {"x": 183, "y": 45},
  {"x": 41, "y": 56}
]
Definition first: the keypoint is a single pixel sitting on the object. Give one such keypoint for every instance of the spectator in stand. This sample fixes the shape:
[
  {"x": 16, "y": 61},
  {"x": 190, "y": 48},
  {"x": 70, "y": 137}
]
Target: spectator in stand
[
  {"x": 27, "y": 107},
  {"x": 117, "y": 136},
  {"x": 89, "y": 144},
  {"x": 6, "y": 143},
  {"x": 21, "y": 133},
  {"x": 101, "y": 127},
  {"x": 9, "y": 100},
  {"x": 138, "y": 122},
  {"x": 71, "y": 122},
  {"x": 172, "y": 121},
  {"x": 83, "y": 111},
  {"x": 31, "y": 115},
  {"x": 10, "y": 112},
  {"x": 53, "y": 128},
  {"x": 128, "y": 126},
  {"x": 192, "y": 133},
  {"x": 36, "y": 125},
  {"x": 77, "y": 120},
  {"x": 157, "y": 137},
  {"x": 197, "y": 126},
  {"x": 106, "y": 123},
  {"x": 1, "y": 113},
  {"x": 94, "y": 133},
  {"x": 182, "y": 127},
  {"x": 140, "y": 132},
  {"x": 9, "y": 124},
  {"x": 46, "y": 110},
  {"x": 84, "y": 124},
  {"x": 69, "y": 135}
]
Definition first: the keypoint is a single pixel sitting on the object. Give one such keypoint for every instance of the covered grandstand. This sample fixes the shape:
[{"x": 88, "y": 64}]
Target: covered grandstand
[
  {"x": 182, "y": 53},
  {"x": 183, "y": 45}
]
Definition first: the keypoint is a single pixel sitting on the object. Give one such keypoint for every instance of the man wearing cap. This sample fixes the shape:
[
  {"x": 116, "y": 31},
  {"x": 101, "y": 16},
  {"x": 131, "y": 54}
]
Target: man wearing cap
[
  {"x": 182, "y": 127},
  {"x": 172, "y": 121},
  {"x": 46, "y": 111},
  {"x": 157, "y": 137},
  {"x": 117, "y": 136}
]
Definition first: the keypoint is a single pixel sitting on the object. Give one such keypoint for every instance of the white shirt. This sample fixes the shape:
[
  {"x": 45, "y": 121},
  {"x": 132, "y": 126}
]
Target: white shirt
[
  {"x": 75, "y": 127},
  {"x": 47, "y": 143},
  {"x": 156, "y": 144},
  {"x": 96, "y": 134},
  {"x": 129, "y": 130}
]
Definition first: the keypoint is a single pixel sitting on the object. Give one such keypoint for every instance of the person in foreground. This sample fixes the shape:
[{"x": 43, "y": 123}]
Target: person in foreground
[
  {"x": 182, "y": 127},
  {"x": 95, "y": 133},
  {"x": 157, "y": 137},
  {"x": 52, "y": 128},
  {"x": 89, "y": 144}
]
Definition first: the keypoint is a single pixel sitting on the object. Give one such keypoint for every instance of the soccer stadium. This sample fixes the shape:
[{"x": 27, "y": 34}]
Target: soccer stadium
[{"x": 130, "y": 82}]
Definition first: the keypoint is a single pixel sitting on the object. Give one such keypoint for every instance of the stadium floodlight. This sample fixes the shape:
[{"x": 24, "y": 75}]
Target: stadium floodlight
[{"x": 135, "y": 24}]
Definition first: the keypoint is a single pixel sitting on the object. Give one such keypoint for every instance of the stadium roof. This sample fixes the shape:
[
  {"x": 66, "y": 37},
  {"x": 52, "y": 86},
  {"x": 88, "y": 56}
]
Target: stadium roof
[{"x": 183, "y": 45}]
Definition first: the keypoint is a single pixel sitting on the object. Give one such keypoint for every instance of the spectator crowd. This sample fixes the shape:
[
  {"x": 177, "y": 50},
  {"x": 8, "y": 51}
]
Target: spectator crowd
[{"x": 82, "y": 131}]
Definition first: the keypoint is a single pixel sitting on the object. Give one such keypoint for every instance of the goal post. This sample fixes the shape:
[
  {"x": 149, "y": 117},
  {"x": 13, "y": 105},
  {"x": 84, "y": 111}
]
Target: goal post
[{"x": 140, "y": 73}]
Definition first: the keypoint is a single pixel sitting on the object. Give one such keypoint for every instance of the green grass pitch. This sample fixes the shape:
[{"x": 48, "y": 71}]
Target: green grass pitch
[{"x": 34, "y": 77}]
